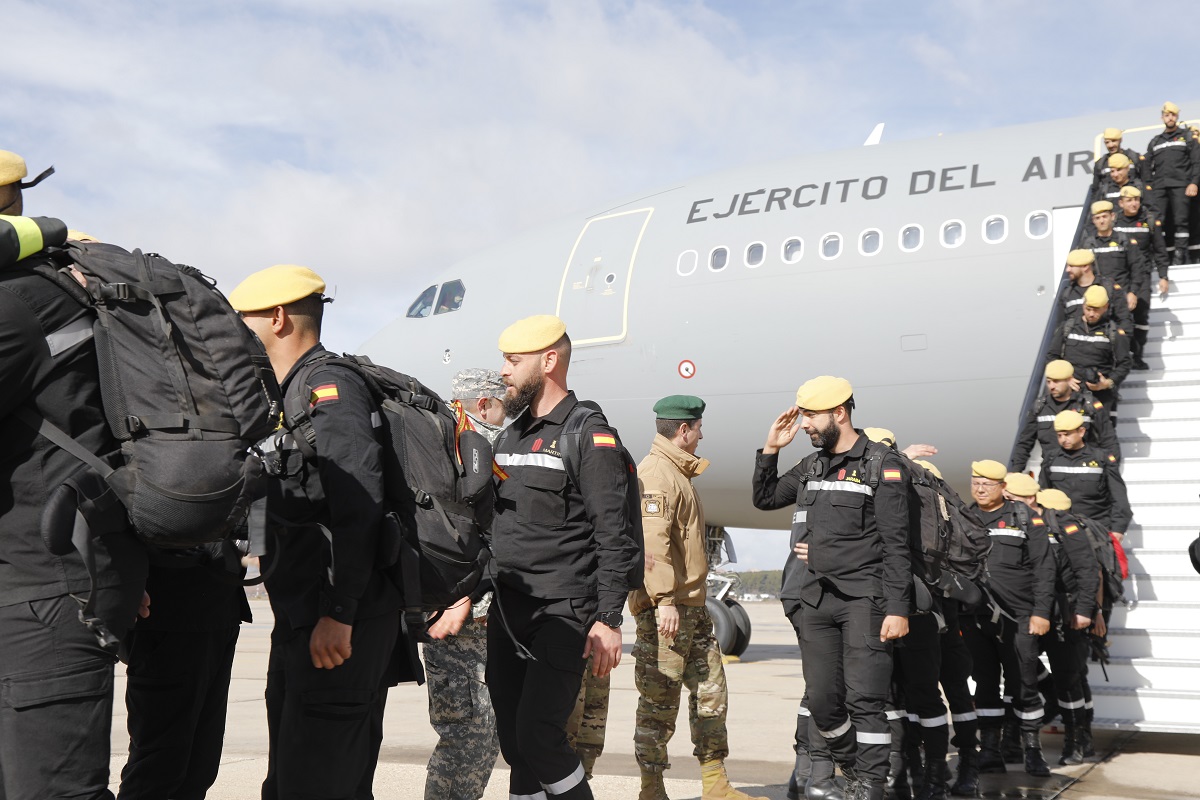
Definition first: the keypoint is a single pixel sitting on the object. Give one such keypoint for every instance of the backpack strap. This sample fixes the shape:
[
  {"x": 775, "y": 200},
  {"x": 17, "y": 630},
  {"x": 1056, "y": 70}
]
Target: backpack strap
[
  {"x": 570, "y": 436},
  {"x": 296, "y": 418}
]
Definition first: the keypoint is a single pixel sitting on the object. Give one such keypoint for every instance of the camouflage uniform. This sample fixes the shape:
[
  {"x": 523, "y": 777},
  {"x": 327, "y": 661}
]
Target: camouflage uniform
[
  {"x": 460, "y": 710},
  {"x": 662, "y": 667},
  {"x": 585, "y": 728}
]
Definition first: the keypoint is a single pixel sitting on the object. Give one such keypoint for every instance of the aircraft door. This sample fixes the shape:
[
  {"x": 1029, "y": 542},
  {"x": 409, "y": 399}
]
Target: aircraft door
[{"x": 593, "y": 298}]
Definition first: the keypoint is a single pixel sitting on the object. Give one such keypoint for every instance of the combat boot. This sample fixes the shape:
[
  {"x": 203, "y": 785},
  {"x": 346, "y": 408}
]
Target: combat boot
[
  {"x": 716, "y": 784},
  {"x": 1070, "y": 756},
  {"x": 850, "y": 774},
  {"x": 966, "y": 784},
  {"x": 934, "y": 785},
  {"x": 870, "y": 789},
  {"x": 1083, "y": 739},
  {"x": 1010, "y": 743},
  {"x": 897, "y": 778},
  {"x": 652, "y": 787},
  {"x": 1035, "y": 765},
  {"x": 822, "y": 785},
  {"x": 1179, "y": 256},
  {"x": 800, "y": 773},
  {"x": 990, "y": 760}
]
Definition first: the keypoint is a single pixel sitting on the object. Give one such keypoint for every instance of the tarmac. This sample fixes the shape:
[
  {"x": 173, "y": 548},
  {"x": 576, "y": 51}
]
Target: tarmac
[{"x": 765, "y": 688}]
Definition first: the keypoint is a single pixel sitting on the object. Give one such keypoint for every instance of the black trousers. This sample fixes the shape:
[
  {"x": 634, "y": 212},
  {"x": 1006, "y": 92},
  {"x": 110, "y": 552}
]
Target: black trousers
[
  {"x": 1067, "y": 652},
  {"x": 955, "y": 670},
  {"x": 533, "y": 697},
  {"x": 325, "y": 726},
  {"x": 176, "y": 695},
  {"x": 808, "y": 738},
  {"x": 918, "y": 666},
  {"x": 1141, "y": 325},
  {"x": 1173, "y": 209},
  {"x": 1004, "y": 646},
  {"x": 847, "y": 671},
  {"x": 56, "y": 697}
]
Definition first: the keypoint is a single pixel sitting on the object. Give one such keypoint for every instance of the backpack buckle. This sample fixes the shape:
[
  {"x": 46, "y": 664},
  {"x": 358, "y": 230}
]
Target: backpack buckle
[
  {"x": 423, "y": 499},
  {"x": 115, "y": 291},
  {"x": 134, "y": 424}
]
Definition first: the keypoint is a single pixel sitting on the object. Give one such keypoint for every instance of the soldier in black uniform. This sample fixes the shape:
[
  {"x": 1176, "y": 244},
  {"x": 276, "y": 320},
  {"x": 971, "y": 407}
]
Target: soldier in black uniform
[
  {"x": 1060, "y": 396},
  {"x": 1112, "y": 143},
  {"x": 1137, "y": 221},
  {"x": 1117, "y": 256},
  {"x": 1090, "y": 477},
  {"x": 56, "y": 705},
  {"x": 1076, "y": 586},
  {"x": 1121, "y": 175},
  {"x": 1171, "y": 174},
  {"x": 1097, "y": 346},
  {"x": 329, "y": 598},
  {"x": 1082, "y": 274},
  {"x": 1003, "y": 635},
  {"x": 857, "y": 590},
  {"x": 567, "y": 551}
]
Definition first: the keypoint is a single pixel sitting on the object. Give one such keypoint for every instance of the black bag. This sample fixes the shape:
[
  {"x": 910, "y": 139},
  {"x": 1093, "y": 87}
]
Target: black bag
[
  {"x": 437, "y": 485},
  {"x": 1106, "y": 554},
  {"x": 187, "y": 391}
]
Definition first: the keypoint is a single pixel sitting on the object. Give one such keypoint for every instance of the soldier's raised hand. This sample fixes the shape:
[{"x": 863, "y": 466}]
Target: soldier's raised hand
[{"x": 782, "y": 431}]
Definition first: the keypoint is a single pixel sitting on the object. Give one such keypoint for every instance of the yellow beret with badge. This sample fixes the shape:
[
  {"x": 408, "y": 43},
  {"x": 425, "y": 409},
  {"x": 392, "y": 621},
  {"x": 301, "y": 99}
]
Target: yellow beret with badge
[
  {"x": 1020, "y": 484},
  {"x": 881, "y": 435},
  {"x": 1080, "y": 258},
  {"x": 1060, "y": 370},
  {"x": 1096, "y": 296},
  {"x": 1068, "y": 420},
  {"x": 1118, "y": 161},
  {"x": 275, "y": 286},
  {"x": 988, "y": 469},
  {"x": 532, "y": 334},
  {"x": 1113, "y": 133},
  {"x": 823, "y": 393},
  {"x": 937, "y": 473},
  {"x": 1054, "y": 499},
  {"x": 1130, "y": 191},
  {"x": 1170, "y": 108},
  {"x": 1100, "y": 206},
  {"x": 679, "y": 406}
]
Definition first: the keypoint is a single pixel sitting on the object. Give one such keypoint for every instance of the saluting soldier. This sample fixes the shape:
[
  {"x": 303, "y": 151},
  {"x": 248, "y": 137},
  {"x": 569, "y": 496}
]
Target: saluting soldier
[
  {"x": 1171, "y": 174},
  {"x": 1060, "y": 396},
  {"x": 858, "y": 586},
  {"x": 567, "y": 550},
  {"x": 1096, "y": 346}
]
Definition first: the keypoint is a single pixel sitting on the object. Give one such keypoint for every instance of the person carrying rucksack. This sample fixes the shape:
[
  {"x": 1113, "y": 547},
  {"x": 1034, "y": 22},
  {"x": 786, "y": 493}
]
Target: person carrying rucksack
[
  {"x": 330, "y": 599},
  {"x": 1097, "y": 345}
]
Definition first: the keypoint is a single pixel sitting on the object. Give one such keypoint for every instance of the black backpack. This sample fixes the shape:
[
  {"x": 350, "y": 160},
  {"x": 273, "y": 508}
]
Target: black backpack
[
  {"x": 437, "y": 485},
  {"x": 187, "y": 391},
  {"x": 1106, "y": 554}
]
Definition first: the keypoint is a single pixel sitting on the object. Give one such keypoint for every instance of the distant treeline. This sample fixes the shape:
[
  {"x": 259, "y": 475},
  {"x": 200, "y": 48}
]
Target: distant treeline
[{"x": 764, "y": 581}]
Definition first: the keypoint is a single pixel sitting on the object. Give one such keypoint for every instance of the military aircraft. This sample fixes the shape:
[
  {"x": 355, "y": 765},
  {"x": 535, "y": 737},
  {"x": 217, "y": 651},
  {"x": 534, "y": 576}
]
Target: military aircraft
[{"x": 923, "y": 271}]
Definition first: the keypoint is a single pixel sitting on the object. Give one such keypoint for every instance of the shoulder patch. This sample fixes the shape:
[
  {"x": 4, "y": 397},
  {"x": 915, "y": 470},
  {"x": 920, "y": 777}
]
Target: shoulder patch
[
  {"x": 325, "y": 393},
  {"x": 1038, "y": 521},
  {"x": 891, "y": 474},
  {"x": 1112, "y": 459},
  {"x": 604, "y": 440},
  {"x": 654, "y": 505},
  {"x": 1097, "y": 405},
  {"x": 1121, "y": 331},
  {"x": 1071, "y": 529}
]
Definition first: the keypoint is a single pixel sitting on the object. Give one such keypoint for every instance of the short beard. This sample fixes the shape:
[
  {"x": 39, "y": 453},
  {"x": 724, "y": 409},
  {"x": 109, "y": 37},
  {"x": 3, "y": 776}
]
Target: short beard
[
  {"x": 827, "y": 438},
  {"x": 514, "y": 405}
]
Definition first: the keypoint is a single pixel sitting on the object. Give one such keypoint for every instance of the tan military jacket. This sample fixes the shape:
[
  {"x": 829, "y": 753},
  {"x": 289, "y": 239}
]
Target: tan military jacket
[{"x": 673, "y": 524}]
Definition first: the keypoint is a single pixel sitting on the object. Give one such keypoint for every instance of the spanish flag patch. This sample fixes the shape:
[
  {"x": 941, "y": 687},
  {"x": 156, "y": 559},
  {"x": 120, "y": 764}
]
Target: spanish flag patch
[
  {"x": 325, "y": 393},
  {"x": 1071, "y": 529},
  {"x": 1112, "y": 458},
  {"x": 1097, "y": 405},
  {"x": 604, "y": 440},
  {"x": 499, "y": 473},
  {"x": 891, "y": 474},
  {"x": 1038, "y": 521}
]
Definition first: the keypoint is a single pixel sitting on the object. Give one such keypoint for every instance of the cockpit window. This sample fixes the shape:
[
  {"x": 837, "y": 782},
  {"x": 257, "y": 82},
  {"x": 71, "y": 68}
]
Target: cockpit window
[
  {"x": 451, "y": 297},
  {"x": 423, "y": 304}
]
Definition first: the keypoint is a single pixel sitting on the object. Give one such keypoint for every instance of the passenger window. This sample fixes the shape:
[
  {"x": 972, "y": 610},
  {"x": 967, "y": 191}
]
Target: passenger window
[
  {"x": 755, "y": 254},
  {"x": 831, "y": 245},
  {"x": 1037, "y": 225},
  {"x": 868, "y": 243},
  {"x": 687, "y": 263},
  {"x": 952, "y": 233},
  {"x": 451, "y": 297},
  {"x": 911, "y": 238},
  {"x": 995, "y": 229},
  {"x": 718, "y": 259},
  {"x": 423, "y": 304},
  {"x": 793, "y": 250}
]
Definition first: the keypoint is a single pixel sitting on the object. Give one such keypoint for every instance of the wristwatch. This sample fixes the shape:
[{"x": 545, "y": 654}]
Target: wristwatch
[{"x": 612, "y": 619}]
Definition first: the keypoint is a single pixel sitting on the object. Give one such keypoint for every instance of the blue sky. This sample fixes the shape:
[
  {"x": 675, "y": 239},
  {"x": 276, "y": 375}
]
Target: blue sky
[{"x": 381, "y": 140}]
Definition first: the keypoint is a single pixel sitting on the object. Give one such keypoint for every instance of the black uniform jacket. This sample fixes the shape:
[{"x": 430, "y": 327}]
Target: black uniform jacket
[
  {"x": 62, "y": 386},
  {"x": 343, "y": 491},
  {"x": 1039, "y": 426},
  {"x": 1110, "y": 190},
  {"x": 1103, "y": 347},
  {"x": 1101, "y": 171},
  {"x": 771, "y": 491},
  {"x": 1092, "y": 479},
  {"x": 1077, "y": 568},
  {"x": 1172, "y": 160},
  {"x": 551, "y": 539},
  {"x": 1120, "y": 258},
  {"x": 1020, "y": 564},
  {"x": 1146, "y": 227},
  {"x": 857, "y": 533},
  {"x": 1070, "y": 301}
]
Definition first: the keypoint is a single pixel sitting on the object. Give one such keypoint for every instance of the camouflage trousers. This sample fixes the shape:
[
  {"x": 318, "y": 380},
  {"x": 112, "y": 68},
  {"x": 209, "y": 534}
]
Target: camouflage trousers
[
  {"x": 585, "y": 728},
  {"x": 661, "y": 668},
  {"x": 460, "y": 710}
]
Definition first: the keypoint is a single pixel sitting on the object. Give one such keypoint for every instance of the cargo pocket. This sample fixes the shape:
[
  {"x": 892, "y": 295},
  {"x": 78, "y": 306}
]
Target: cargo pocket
[
  {"x": 338, "y": 705},
  {"x": 546, "y": 502},
  {"x": 451, "y": 700},
  {"x": 61, "y": 684}
]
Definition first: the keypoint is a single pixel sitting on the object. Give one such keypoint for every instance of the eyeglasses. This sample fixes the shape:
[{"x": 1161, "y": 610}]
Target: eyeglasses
[{"x": 984, "y": 484}]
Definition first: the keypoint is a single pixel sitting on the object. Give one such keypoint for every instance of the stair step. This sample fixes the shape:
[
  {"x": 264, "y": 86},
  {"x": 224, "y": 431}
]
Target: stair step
[
  {"x": 1162, "y": 674},
  {"x": 1155, "y": 392},
  {"x": 1163, "y": 447},
  {"x": 1161, "y": 562},
  {"x": 1163, "y": 491},
  {"x": 1179, "y": 360},
  {"x": 1144, "y": 470},
  {"x": 1153, "y": 643},
  {"x": 1153, "y": 614},
  {"x": 1180, "y": 588},
  {"x": 1161, "y": 345},
  {"x": 1133, "y": 703},
  {"x": 1175, "y": 304},
  {"x": 1181, "y": 726},
  {"x": 1160, "y": 537},
  {"x": 1163, "y": 425},
  {"x": 1167, "y": 514}
]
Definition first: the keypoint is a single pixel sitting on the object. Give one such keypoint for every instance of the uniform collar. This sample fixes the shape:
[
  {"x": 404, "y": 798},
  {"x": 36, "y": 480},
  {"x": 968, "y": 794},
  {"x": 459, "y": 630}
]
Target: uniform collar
[
  {"x": 855, "y": 452},
  {"x": 557, "y": 415},
  {"x": 690, "y": 465},
  {"x": 311, "y": 354}
]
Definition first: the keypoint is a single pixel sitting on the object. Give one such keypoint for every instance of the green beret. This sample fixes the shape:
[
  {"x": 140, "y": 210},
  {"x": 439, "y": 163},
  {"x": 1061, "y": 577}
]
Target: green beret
[{"x": 679, "y": 406}]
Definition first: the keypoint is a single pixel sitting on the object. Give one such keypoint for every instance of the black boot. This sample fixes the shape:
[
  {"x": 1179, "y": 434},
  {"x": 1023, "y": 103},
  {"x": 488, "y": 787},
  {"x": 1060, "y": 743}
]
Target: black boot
[
  {"x": 1010, "y": 743},
  {"x": 800, "y": 773},
  {"x": 966, "y": 784},
  {"x": 1070, "y": 755},
  {"x": 1083, "y": 739},
  {"x": 1035, "y": 765},
  {"x": 897, "y": 778},
  {"x": 870, "y": 789},
  {"x": 913, "y": 757},
  {"x": 990, "y": 760},
  {"x": 934, "y": 786},
  {"x": 821, "y": 783},
  {"x": 1179, "y": 256}
]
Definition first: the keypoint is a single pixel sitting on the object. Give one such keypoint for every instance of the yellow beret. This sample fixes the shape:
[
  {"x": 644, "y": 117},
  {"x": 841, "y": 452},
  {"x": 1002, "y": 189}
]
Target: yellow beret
[
  {"x": 1130, "y": 191},
  {"x": 80, "y": 236},
  {"x": 988, "y": 469},
  {"x": 1060, "y": 370},
  {"x": 275, "y": 286},
  {"x": 1080, "y": 258},
  {"x": 881, "y": 435},
  {"x": 12, "y": 168},
  {"x": 1171, "y": 107},
  {"x": 1055, "y": 499},
  {"x": 1100, "y": 206},
  {"x": 1020, "y": 484},
  {"x": 1113, "y": 133},
  {"x": 1068, "y": 420},
  {"x": 532, "y": 334},
  {"x": 1118, "y": 161},
  {"x": 1096, "y": 296},
  {"x": 929, "y": 466},
  {"x": 823, "y": 393}
]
